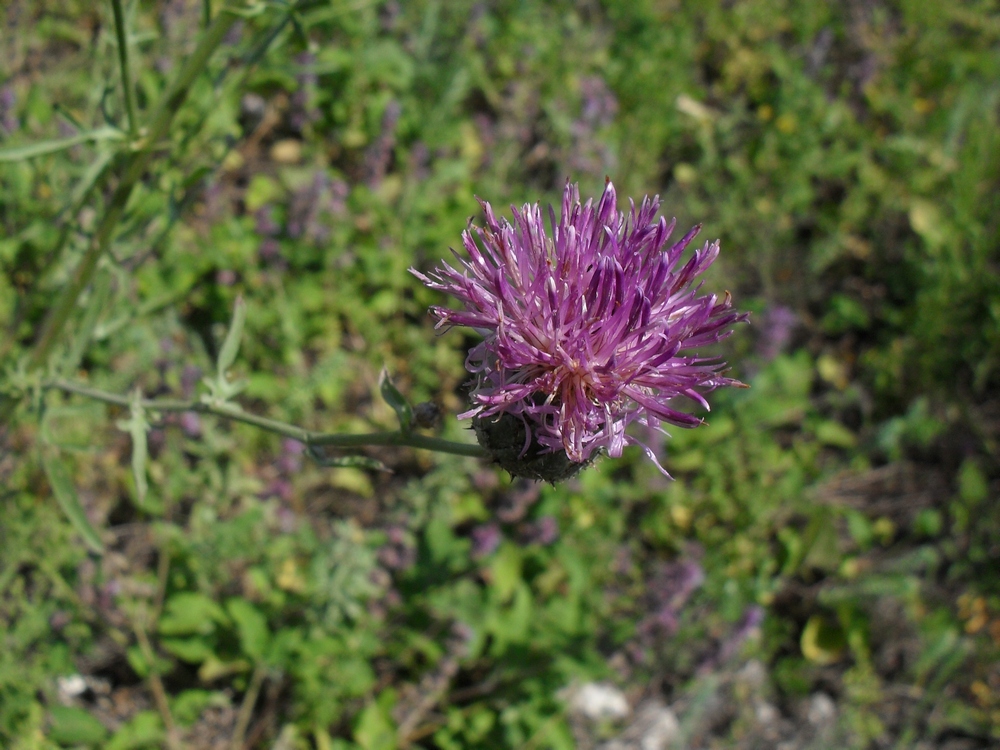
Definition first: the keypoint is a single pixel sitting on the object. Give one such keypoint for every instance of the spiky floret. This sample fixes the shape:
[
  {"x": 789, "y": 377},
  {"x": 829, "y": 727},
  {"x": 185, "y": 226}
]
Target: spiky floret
[{"x": 588, "y": 326}]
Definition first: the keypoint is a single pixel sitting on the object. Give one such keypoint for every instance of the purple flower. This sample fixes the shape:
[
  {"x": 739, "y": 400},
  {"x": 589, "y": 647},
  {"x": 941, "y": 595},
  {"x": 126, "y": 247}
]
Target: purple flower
[
  {"x": 8, "y": 103},
  {"x": 779, "y": 325},
  {"x": 379, "y": 154},
  {"x": 398, "y": 553},
  {"x": 589, "y": 326},
  {"x": 304, "y": 110},
  {"x": 190, "y": 377},
  {"x": 485, "y": 540},
  {"x": 731, "y": 644},
  {"x": 225, "y": 277},
  {"x": 544, "y": 531},
  {"x": 669, "y": 589},
  {"x": 291, "y": 457},
  {"x": 269, "y": 253},
  {"x": 191, "y": 424},
  {"x": 310, "y": 206},
  {"x": 264, "y": 223}
]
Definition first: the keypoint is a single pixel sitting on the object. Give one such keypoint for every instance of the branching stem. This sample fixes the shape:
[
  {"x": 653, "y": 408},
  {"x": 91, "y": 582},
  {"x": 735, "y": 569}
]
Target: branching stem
[
  {"x": 228, "y": 410},
  {"x": 135, "y": 168}
]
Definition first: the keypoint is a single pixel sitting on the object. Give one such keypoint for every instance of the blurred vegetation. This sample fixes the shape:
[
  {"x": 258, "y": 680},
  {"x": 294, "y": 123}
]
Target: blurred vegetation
[{"x": 837, "y": 523}]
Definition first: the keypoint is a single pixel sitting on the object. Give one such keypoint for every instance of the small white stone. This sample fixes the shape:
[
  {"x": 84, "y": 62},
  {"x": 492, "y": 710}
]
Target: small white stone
[
  {"x": 599, "y": 700},
  {"x": 663, "y": 729},
  {"x": 766, "y": 713},
  {"x": 822, "y": 709},
  {"x": 753, "y": 674},
  {"x": 71, "y": 686}
]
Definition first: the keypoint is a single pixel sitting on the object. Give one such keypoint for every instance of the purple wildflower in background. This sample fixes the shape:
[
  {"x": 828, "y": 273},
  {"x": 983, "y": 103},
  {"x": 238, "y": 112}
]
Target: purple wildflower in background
[
  {"x": 190, "y": 423},
  {"x": 379, "y": 154},
  {"x": 485, "y": 540},
  {"x": 290, "y": 462},
  {"x": 8, "y": 103},
  {"x": 544, "y": 531},
  {"x": 399, "y": 552},
  {"x": 311, "y": 205},
  {"x": 591, "y": 154},
  {"x": 670, "y": 588},
  {"x": 304, "y": 111},
  {"x": 589, "y": 326},
  {"x": 776, "y": 333},
  {"x": 190, "y": 377}
]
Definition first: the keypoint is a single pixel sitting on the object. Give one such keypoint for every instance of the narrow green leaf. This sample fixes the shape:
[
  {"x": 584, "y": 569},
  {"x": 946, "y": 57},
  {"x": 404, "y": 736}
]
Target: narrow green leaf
[
  {"x": 251, "y": 11},
  {"x": 90, "y": 178},
  {"x": 231, "y": 346},
  {"x": 95, "y": 305},
  {"x": 69, "y": 502},
  {"x": 30, "y": 150},
  {"x": 81, "y": 194},
  {"x": 137, "y": 427},
  {"x": 70, "y": 427},
  {"x": 140, "y": 450},
  {"x": 396, "y": 400},
  {"x": 362, "y": 462}
]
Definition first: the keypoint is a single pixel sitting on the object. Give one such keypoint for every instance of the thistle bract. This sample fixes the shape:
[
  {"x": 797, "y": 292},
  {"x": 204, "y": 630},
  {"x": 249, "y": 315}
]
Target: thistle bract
[{"x": 589, "y": 324}]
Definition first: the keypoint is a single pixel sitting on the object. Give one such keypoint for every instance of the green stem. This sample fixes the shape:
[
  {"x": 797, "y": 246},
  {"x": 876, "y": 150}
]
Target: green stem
[
  {"x": 308, "y": 437},
  {"x": 246, "y": 708},
  {"x": 123, "y": 64},
  {"x": 156, "y": 687}
]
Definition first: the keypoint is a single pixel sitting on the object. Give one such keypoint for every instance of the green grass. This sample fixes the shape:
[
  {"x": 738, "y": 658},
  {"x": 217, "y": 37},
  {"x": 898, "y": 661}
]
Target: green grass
[{"x": 848, "y": 157}]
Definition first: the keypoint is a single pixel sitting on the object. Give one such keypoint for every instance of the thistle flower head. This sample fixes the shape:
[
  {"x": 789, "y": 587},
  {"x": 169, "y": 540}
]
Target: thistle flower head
[{"x": 589, "y": 324}]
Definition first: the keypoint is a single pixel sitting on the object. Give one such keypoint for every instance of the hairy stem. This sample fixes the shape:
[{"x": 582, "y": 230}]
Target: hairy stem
[{"x": 308, "y": 437}]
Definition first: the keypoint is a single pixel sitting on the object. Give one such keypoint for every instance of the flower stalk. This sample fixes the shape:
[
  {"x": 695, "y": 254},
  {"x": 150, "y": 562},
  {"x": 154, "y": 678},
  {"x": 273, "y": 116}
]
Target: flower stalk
[{"x": 309, "y": 438}]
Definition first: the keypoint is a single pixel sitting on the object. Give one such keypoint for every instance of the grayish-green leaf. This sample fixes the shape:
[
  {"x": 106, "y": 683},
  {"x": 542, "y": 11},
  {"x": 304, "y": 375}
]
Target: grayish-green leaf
[
  {"x": 70, "y": 427},
  {"x": 362, "y": 462},
  {"x": 28, "y": 151},
  {"x": 396, "y": 400},
  {"x": 137, "y": 427},
  {"x": 85, "y": 332},
  {"x": 69, "y": 502},
  {"x": 231, "y": 346}
]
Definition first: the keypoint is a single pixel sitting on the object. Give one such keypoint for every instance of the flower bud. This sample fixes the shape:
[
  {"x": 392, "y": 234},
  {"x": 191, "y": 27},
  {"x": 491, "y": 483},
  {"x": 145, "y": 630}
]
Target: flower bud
[{"x": 504, "y": 436}]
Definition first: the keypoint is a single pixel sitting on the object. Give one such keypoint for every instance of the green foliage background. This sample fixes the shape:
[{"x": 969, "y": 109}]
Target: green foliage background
[{"x": 847, "y": 155}]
